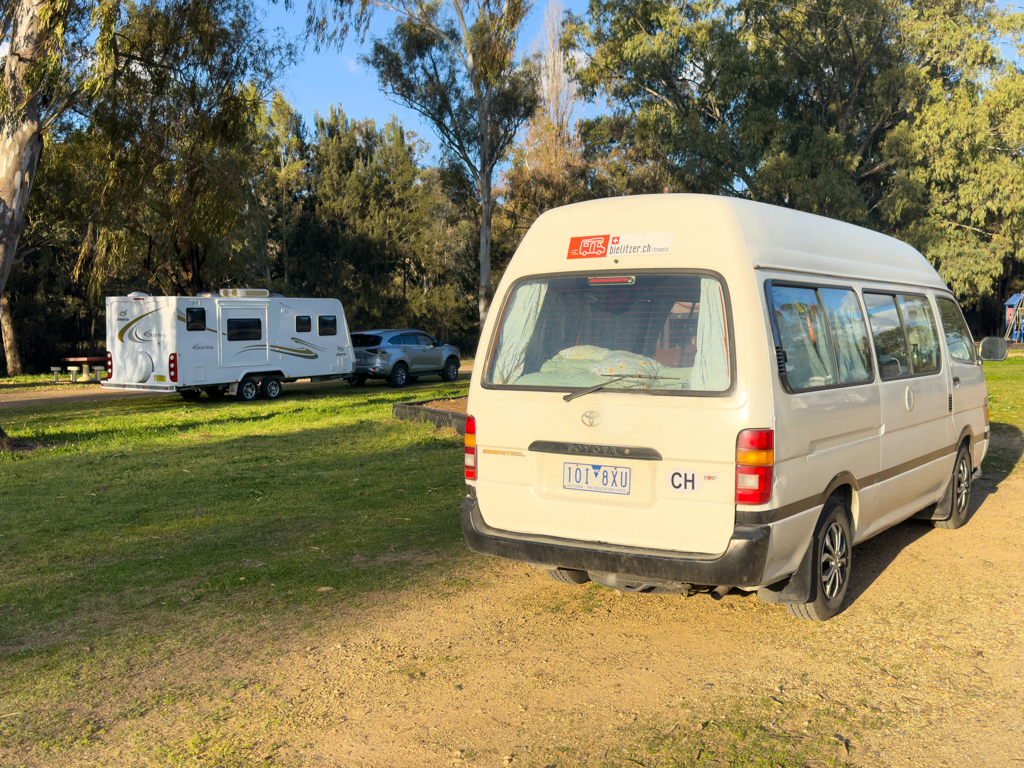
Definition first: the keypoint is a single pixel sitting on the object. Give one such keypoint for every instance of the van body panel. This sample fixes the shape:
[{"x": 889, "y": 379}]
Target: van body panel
[{"x": 895, "y": 456}]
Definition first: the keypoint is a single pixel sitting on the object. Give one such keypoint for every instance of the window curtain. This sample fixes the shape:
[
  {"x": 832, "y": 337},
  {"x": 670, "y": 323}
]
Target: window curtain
[
  {"x": 711, "y": 363},
  {"x": 517, "y": 331}
]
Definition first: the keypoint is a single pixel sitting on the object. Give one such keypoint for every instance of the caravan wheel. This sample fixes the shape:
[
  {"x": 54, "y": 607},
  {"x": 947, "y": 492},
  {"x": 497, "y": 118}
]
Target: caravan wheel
[
  {"x": 248, "y": 390},
  {"x": 271, "y": 388}
]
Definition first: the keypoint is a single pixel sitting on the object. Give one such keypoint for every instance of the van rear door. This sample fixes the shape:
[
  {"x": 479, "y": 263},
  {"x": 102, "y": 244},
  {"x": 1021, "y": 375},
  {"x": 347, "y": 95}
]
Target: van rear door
[{"x": 609, "y": 418}]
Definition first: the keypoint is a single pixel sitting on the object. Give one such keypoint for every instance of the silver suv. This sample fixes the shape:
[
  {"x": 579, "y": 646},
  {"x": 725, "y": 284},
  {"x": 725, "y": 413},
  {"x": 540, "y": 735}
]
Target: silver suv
[{"x": 401, "y": 356}]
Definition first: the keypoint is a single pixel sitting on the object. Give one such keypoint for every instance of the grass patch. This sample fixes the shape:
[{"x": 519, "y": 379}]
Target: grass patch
[
  {"x": 1006, "y": 411},
  {"x": 155, "y": 528}
]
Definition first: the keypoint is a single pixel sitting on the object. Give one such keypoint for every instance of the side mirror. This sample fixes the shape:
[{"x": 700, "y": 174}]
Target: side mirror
[{"x": 994, "y": 349}]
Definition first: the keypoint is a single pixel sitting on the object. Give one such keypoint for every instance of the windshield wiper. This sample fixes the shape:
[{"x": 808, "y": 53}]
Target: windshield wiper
[{"x": 603, "y": 384}]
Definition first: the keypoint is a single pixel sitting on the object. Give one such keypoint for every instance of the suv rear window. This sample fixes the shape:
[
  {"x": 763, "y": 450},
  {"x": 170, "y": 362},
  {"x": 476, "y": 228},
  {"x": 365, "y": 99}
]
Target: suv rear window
[
  {"x": 365, "y": 340},
  {"x": 643, "y": 331}
]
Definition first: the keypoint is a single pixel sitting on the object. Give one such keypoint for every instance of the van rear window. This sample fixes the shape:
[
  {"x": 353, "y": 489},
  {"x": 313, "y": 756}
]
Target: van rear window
[{"x": 642, "y": 331}]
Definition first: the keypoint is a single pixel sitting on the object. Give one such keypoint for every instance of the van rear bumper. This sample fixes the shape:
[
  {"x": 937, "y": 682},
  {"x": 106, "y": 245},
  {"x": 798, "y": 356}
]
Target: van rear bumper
[{"x": 741, "y": 565}]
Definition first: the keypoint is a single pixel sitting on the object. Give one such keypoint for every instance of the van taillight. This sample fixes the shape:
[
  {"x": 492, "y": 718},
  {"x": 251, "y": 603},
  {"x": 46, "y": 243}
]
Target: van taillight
[
  {"x": 755, "y": 456},
  {"x": 470, "y": 449},
  {"x": 110, "y": 366},
  {"x": 172, "y": 367}
]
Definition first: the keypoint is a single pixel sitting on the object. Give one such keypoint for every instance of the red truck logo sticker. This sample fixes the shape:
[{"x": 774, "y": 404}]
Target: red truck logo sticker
[{"x": 590, "y": 247}]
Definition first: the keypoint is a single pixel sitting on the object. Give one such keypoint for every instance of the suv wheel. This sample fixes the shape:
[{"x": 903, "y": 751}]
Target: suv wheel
[
  {"x": 451, "y": 370},
  {"x": 399, "y": 375}
]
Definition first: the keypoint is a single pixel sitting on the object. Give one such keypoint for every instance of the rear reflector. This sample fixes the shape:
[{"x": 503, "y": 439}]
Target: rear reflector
[
  {"x": 755, "y": 457},
  {"x": 470, "y": 449}
]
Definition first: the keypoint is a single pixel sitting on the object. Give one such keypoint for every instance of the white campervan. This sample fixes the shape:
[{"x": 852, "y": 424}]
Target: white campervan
[
  {"x": 684, "y": 391},
  {"x": 241, "y": 342}
]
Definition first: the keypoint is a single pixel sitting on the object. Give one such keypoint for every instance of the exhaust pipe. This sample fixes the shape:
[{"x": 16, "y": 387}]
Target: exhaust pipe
[{"x": 719, "y": 592}]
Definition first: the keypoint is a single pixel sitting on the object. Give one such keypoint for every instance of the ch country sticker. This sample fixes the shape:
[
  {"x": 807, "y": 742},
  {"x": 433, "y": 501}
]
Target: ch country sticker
[
  {"x": 684, "y": 480},
  {"x": 589, "y": 247}
]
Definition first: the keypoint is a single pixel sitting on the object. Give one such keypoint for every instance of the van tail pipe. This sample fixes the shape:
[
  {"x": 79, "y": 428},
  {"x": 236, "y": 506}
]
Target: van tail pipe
[{"x": 719, "y": 592}]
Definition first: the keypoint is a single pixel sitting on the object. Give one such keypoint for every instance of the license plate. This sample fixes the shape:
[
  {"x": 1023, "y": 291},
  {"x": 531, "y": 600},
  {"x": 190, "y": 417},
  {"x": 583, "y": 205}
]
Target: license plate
[
  {"x": 598, "y": 478},
  {"x": 161, "y": 378}
]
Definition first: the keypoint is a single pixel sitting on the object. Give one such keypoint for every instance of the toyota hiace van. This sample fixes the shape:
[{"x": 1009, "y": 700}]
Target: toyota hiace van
[{"x": 678, "y": 392}]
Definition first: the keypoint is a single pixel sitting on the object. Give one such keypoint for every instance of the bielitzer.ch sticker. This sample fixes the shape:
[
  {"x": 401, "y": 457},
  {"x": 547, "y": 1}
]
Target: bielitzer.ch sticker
[
  {"x": 684, "y": 480},
  {"x": 629, "y": 244}
]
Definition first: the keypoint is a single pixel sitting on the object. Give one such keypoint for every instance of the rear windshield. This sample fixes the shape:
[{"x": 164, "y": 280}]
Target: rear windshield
[
  {"x": 365, "y": 340},
  {"x": 659, "y": 332}
]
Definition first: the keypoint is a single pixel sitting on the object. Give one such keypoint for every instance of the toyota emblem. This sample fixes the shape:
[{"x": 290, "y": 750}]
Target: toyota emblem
[{"x": 591, "y": 418}]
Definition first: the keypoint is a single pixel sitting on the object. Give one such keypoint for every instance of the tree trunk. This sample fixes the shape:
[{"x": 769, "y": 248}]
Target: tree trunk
[
  {"x": 10, "y": 340},
  {"x": 485, "y": 249},
  {"x": 21, "y": 141}
]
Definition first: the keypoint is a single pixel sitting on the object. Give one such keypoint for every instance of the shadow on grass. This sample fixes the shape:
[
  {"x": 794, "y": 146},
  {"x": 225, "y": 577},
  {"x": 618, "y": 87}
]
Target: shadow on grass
[
  {"x": 210, "y": 532},
  {"x": 874, "y": 556}
]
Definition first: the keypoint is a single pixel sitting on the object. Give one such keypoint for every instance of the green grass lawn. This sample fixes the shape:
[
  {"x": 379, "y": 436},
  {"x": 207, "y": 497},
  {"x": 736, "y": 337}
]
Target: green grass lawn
[
  {"x": 153, "y": 530},
  {"x": 149, "y": 525}
]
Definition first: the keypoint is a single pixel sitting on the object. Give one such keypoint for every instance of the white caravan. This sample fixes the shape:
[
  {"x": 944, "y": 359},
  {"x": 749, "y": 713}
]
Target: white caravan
[
  {"x": 683, "y": 391},
  {"x": 240, "y": 342}
]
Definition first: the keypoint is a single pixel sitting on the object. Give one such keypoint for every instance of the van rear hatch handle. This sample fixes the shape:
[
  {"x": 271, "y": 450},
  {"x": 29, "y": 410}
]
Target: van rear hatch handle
[{"x": 588, "y": 449}]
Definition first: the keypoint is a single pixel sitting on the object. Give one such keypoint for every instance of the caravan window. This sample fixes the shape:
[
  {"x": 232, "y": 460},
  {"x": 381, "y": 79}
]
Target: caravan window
[
  {"x": 245, "y": 329},
  {"x": 327, "y": 325},
  {"x": 643, "y": 331},
  {"x": 303, "y": 324},
  {"x": 195, "y": 319}
]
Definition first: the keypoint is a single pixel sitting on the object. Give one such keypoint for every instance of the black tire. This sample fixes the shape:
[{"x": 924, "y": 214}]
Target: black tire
[
  {"x": 358, "y": 380},
  {"x": 216, "y": 393},
  {"x": 399, "y": 375},
  {"x": 961, "y": 480},
  {"x": 833, "y": 551},
  {"x": 568, "y": 576},
  {"x": 248, "y": 389},
  {"x": 270, "y": 388},
  {"x": 191, "y": 394},
  {"x": 451, "y": 369}
]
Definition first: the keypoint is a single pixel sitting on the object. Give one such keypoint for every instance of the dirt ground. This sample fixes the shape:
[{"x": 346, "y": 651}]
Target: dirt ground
[{"x": 923, "y": 667}]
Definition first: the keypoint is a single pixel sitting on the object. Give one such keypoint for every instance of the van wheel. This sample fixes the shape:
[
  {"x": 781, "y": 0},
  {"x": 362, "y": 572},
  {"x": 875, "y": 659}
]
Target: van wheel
[
  {"x": 833, "y": 550},
  {"x": 215, "y": 393},
  {"x": 248, "y": 389},
  {"x": 399, "y": 375},
  {"x": 191, "y": 394},
  {"x": 961, "y": 491},
  {"x": 451, "y": 370},
  {"x": 569, "y": 576},
  {"x": 270, "y": 388}
]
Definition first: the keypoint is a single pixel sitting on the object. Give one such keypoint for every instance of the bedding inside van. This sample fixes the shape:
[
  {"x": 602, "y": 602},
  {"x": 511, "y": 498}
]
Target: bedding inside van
[{"x": 642, "y": 331}]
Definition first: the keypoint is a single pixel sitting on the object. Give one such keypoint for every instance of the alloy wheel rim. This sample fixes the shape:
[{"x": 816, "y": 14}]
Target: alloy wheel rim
[
  {"x": 835, "y": 560},
  {"x": 273, "y": 389},
  {"x": 249, "y": 390},
  {"x": 963, "y": 487},
  {"x": 400, "y": 376}
]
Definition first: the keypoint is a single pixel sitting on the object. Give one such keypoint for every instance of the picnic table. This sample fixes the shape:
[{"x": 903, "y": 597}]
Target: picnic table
[{"x": 86, "y": 362}]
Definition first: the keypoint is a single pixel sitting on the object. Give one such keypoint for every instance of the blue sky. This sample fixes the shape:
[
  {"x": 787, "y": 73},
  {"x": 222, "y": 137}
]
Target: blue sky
[{"x": 333, "y": 77}]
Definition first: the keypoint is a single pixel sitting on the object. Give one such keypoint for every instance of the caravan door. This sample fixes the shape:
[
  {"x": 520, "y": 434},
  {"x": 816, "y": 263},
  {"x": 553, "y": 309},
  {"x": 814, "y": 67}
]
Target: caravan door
[{"x": 243, "y": 334}]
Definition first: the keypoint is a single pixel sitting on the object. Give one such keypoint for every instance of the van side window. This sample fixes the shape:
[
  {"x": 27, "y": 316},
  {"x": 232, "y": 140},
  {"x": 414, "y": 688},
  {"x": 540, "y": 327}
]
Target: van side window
[
  {"x": 303, "y": 324},
  {"x": 245, "y": 329},
  {"x": 922, "y": 334},
  {"x": 327, "y": 325},
  {"x": 958, "y": 336},
  {"x": 195, "y": 319},
  {"x": 800, "y": 320},
  {"x": 849, "y": 335},
  {"x": 887, "y": 330}
]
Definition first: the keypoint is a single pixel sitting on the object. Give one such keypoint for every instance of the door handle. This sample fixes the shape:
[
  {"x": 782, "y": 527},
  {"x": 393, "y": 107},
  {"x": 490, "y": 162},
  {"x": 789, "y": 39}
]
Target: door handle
[{"x": 956, "y": 382}]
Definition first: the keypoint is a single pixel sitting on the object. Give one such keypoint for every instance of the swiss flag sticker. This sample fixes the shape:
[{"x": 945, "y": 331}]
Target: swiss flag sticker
[{"x": 590, "y": 247}]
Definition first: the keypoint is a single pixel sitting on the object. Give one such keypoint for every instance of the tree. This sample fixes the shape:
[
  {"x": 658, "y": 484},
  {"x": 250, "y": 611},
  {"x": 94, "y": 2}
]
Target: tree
[
  {"x": 456, "y": 65},
  {"x": 177, "y": 134}
]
